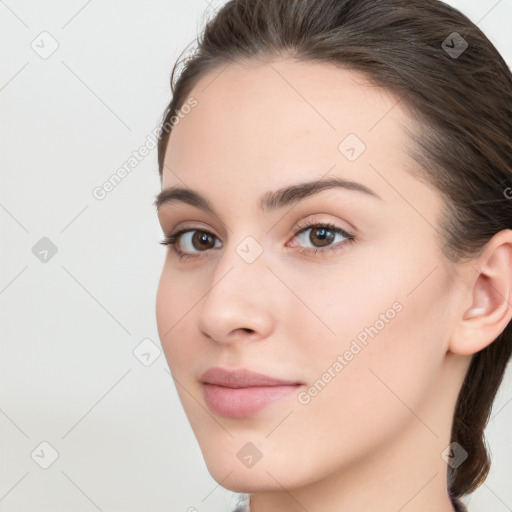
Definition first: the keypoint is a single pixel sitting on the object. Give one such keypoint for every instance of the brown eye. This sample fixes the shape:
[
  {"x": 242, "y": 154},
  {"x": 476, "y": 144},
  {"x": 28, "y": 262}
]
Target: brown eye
[
  {"x": 202, "y": 240},
  {"x": 188, "y": 243},
  {"x": 195, "y": 240},
  {"x": 322, "y": 235}
]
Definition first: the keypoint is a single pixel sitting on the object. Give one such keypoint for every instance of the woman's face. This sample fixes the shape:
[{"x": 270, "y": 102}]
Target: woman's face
[{"x": 359, "y": 330}]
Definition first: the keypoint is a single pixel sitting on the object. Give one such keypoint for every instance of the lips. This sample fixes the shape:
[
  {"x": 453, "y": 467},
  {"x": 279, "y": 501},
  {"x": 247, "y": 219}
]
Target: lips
[
  {"x": 240, "y": 393},
  {"x": 241, "y": 378}
]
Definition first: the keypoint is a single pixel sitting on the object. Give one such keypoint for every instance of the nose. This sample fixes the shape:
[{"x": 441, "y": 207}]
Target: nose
[{"x": 238, "y": 304}]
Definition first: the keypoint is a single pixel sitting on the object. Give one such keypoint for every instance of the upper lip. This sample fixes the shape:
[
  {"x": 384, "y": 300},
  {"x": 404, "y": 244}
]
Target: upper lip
[{"x": 241, "y": 378}]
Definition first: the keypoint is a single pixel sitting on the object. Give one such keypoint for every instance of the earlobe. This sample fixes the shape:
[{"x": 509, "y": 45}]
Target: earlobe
[{"x": 490, "y": 309}]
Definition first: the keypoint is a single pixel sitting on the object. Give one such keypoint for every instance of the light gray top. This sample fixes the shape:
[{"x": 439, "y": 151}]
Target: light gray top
[{"x": 241, "y": 502}]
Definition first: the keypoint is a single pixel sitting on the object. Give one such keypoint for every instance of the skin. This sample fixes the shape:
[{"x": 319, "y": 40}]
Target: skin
[{"x": 386, "y": 417}]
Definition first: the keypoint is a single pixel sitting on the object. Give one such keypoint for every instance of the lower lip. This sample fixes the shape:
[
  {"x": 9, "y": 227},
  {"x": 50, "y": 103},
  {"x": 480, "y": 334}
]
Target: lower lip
[{"x": 241, "y": 402}]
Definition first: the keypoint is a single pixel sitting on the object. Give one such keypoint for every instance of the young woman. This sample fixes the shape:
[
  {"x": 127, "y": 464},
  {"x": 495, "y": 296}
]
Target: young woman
[{"x": 335, "y": 301}]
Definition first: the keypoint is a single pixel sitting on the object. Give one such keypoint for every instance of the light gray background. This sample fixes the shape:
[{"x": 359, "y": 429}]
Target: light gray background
[{"x": 69, "y": 326}]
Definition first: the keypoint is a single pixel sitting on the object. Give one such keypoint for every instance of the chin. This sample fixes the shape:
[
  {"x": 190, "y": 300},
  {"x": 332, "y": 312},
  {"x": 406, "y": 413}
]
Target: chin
[
  {"x": 269, "y": 473},
  {"x": 244, "y": 481}
]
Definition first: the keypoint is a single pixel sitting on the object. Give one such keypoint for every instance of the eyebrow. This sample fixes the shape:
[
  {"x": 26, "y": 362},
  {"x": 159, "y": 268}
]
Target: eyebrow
[{"x": 270, "y": 201}]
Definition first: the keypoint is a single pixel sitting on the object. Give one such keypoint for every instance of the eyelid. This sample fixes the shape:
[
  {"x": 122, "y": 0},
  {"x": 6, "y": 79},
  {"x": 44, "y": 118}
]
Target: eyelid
[{"x": 308, "y": 224}]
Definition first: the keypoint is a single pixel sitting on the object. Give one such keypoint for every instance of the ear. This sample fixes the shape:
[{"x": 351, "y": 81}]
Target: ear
[{"x": 489, "y": 294}]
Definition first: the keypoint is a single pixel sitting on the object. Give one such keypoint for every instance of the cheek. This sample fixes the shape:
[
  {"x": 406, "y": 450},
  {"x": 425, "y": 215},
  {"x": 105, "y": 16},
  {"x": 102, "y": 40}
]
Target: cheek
[
  {"x": 338, "y": 306},
  {"x": 355, "y": 407},
  {"x": 387, "y": 347},
  {"x": 174, "y": 308}
]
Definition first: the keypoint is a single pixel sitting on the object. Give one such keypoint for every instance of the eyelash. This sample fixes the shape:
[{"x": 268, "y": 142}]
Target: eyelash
[{"x": 173, "y": 238}]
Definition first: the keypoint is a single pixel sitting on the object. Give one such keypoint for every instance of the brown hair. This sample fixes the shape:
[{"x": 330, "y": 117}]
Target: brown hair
[{"x": 462, "y": 98}]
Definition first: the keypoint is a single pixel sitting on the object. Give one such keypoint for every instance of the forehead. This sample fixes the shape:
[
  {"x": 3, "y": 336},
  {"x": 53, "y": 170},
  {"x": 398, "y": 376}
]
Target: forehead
[{"x": 268, "y": 123}]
